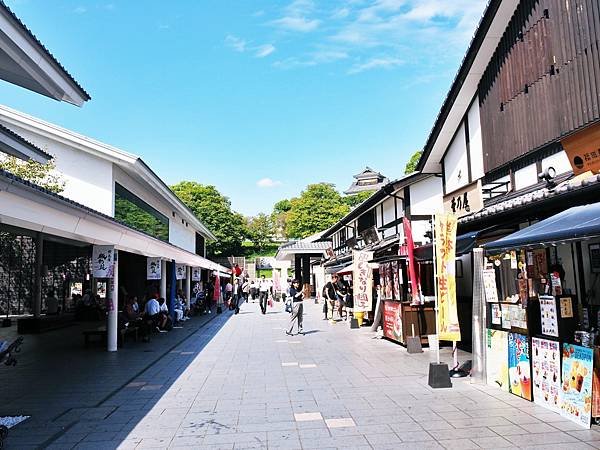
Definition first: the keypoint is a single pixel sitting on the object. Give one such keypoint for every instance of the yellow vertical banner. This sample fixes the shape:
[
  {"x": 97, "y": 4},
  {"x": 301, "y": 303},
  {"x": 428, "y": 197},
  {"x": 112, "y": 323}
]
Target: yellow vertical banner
[{"x": 445, "y": 239}]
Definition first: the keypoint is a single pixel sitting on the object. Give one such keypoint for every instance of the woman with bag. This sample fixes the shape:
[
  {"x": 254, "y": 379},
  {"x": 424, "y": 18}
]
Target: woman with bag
[{"x": 297, "y": 297}]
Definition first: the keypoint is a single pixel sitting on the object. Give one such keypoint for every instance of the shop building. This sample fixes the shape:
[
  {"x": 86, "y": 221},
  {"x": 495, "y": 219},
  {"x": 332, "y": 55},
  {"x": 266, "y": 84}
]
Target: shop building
[{"x": 517, "y": 145}]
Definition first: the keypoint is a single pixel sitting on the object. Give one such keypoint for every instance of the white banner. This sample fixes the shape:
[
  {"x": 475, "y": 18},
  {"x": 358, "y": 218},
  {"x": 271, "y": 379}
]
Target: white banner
[
  {"x": 153, "y": 267},
  {"x": 196, "y": 274},
  {"x": 103, "y": 263},
  {"x": 362, "y": 281},
  {"x": 180, "y": 271}
]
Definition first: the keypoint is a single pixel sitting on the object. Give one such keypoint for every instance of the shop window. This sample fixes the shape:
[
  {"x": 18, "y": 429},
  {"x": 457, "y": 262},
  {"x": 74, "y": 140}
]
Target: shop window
[
  {"x": 367, "y": 220},
  {"x": 134, "y": 212},
  {"x": 199, "y": 244}
]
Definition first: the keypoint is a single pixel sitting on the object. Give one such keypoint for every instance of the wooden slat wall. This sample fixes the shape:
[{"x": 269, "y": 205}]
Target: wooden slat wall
[{"x": 543, "y": 80}]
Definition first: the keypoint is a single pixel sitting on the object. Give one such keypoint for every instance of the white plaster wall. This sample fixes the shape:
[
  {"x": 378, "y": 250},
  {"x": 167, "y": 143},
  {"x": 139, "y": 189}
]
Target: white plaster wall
[
  {"x": 88, "y": 179},
  {"x": 559, "y": 161},
  {"x": 527, "y": 176},
  {"x": 426, "y": 197},
  {"x": 389, "y": 215},
  {"x": 475, "y": 142},
  {"x": 455, "y": 163}
]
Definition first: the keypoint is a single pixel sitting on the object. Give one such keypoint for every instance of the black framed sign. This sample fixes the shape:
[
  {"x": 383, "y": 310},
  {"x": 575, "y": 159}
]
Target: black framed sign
[{"x": 595, "y": 257}]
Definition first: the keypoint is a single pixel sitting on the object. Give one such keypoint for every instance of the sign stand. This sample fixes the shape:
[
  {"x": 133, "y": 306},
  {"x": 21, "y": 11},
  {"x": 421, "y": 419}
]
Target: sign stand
[{"x": 439, "y": 375}]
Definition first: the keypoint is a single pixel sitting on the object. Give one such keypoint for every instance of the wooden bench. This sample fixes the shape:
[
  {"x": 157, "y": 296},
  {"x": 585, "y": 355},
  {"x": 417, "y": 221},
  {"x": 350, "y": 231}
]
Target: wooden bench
[{"x": 101, "y": 334}]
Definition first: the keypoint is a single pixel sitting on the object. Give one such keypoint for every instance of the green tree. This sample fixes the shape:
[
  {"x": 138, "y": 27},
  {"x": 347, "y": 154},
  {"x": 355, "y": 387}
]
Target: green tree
[
  {"x": 411, "y": 165},
  {"x": 214, "y": 210},
  {"x": 356, "y": 199},
  {"x": 260, "y": 231},
  {"x": 318, "y": 207},
  {"x": 34, "y": 172},
  {"x": 279, "y": 217}
]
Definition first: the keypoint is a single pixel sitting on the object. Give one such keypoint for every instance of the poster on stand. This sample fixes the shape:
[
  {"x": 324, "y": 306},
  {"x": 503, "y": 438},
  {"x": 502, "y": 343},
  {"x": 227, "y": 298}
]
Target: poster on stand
[
  {"x": 577, "y": 373},
  {"x": 497, "y": 359},
  {"x": 519, "y": 368},
  {"x": 362, "y": 281},
  {"x": 392, "y": 321},
  {"x": 489, "y": 285},
  {"x": 549, "y": 316},
  {"x": 103, "y": 264},
  {"x": 153, "y": 269},
  {"x": 545, "y": 359},
  {"x": 180, "y": 271},
  {"x": 395, "y": 281},
  {"x": 196, "y": 274}
]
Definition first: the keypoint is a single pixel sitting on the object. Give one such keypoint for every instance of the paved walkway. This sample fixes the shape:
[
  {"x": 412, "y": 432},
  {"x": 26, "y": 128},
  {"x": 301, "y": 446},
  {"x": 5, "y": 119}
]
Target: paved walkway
[{"x": 240, "y": 382}]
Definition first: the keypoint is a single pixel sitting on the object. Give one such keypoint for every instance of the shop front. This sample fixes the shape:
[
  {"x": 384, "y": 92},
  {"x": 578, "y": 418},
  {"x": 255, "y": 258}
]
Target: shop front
[{"x": 542, "y": 305}]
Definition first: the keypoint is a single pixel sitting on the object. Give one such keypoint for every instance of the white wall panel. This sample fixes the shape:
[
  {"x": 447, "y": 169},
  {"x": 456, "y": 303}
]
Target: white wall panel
[
  {"x": 525, "y": 177},
  {"x": 426, "y": 197},
  {"x": 475, "y": 142},
  {"x": 559, "y": 161},
  {"x": 456, "y": 170}
]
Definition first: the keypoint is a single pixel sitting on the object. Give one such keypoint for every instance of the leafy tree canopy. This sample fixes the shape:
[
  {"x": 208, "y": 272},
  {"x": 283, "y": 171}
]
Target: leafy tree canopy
[
  {"x": 214, "y": 210},
  {"x": 411, "y": 165},
  {"x": 260, "y": 231},
  {"x": 318, "y": 207},
  {"x": 282, "y": 206},
  {"x": 34, "y": 172},
  {"x": 356, "y": 199}
]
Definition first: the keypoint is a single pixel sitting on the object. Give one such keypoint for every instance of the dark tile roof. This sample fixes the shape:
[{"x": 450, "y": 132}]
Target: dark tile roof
[
  {"x": 303, "y": 245},
  {"x": 25, "y": 142},
  {"x": 43, "y": 48}
]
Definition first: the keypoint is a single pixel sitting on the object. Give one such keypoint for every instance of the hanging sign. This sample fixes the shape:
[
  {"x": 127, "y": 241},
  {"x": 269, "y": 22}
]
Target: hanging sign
[
  {"x": 180, "y": 271},
  {"x": 445, "y": 252},
  {"x": 545, "y": 358},
  {"x": 583, "y": 150},
  {"x": 153, "y": 266},
  {"x": 465, "y": 201},
  {"x": 577, "y": 365},
  {"x": 103, "y": 264},
  {"x": 362, "y": 281},
  {"x": 196, "y": 274}
]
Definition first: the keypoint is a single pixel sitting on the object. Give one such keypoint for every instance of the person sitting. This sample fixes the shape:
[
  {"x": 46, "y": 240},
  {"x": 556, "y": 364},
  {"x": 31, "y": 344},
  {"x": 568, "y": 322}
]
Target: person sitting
[
  {"x": 178, "y": 309},
  {"x": 153, "y": 313},
  {"x": 51, "y": 304}
]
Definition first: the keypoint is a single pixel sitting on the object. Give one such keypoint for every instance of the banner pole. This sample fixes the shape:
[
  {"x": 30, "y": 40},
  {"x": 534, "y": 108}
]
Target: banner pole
[{"x": 434, "y": 248}]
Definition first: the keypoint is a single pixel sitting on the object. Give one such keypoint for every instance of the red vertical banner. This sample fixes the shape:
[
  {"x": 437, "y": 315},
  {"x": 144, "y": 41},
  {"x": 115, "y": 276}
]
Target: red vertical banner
[{"x": 413, "y": 274}]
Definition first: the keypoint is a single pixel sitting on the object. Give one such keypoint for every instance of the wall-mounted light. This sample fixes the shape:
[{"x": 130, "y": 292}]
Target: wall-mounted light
[{"x": 548, "y": 176}]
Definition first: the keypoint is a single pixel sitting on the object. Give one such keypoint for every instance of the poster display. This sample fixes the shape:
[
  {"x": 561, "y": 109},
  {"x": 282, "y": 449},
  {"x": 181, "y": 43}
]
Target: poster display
[
  {"x": 545, "y": 359},
  {"x": 549, "y": 316},
  {"x": 392, "y": 321},
  {"x": 489, "y": 285},
  {"x": 566, "y": 308},
  {"x": 103, "y": 264},
  {"x": 362, "y": 281},
  {"x": 445, "y": 253},
  {"x": 395, "y": 280},
  {"x": 518, "y": 316},
  {"x": 196, "y": 274},
  {"x": 389, "y": 294},
  {"x": 519, "y": 369},
  {"x": 180, "y": 271},
  {"x": 496, "y": 314},
  {"x": 153, "y": 269},
  {"x": 577, "y": 367},
  {"x": 497, "y": 359},
  {"x": 506, "y": 317}
]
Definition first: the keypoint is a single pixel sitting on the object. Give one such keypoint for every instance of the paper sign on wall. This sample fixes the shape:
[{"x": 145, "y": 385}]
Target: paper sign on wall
[
  {"x": 489, "y": 285},
  {"x": 103, "y": 264},
  {"x": 196, "y": 274},
  {"x": 153, "y": 269}
]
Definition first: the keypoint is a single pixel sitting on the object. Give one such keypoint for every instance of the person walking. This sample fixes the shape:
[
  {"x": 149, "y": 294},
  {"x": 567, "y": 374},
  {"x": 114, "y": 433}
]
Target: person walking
[
  {"x": 246, "y": 289},
  {"x": 297, "y": 297},
  {"x": 263, "y": 293},
  {"x": 330, "y": 296}
]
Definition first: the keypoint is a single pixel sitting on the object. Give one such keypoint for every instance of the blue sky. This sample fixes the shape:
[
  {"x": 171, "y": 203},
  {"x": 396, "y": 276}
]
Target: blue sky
[{"x": 259, "y": 98}]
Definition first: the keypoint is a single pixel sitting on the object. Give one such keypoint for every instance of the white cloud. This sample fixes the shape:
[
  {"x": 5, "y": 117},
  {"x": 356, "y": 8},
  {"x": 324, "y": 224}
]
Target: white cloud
[
  {"x": 80, "y": 10},
  {"x": 264, "y": 50},
  {"x": 268, "y": 183},
  {"x": 376, "y": 63},
  {"x": 236, "y": 43},
  {"x": 297, "y": 17}
]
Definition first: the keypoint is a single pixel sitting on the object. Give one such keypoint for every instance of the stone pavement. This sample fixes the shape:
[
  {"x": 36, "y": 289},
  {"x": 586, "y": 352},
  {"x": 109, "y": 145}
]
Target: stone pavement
[{"x": 239, "y": 383}]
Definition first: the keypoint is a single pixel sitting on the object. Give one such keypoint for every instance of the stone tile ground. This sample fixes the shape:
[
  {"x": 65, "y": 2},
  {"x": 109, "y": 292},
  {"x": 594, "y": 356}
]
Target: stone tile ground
[{"x": 240, "y": 383}]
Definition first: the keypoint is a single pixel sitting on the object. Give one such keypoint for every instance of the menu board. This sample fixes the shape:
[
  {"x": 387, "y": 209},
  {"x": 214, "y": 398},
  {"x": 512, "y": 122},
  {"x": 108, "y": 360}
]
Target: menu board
[
  {"x": 577, "y": 367},
  {"x": 392, "y": 321},
  {"x": 497, "y": 359},
  {"x": 549, "y": 315},
  {"x": 489, "y": 285},
  {"x": 519, "y": 369},
  {"x": 496, "y": 314},
  {"x": 545, "y": 359}
]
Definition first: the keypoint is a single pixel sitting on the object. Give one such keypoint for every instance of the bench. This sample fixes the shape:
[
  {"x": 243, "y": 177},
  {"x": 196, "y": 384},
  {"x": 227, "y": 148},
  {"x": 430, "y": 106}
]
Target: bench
[
  {"x": 101, "y": 334},
  {"x": 37, "y": 325}
]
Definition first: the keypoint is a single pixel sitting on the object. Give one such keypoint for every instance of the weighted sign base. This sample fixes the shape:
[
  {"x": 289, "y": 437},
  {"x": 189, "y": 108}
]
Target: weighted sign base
[
  {"x": 439, "y": 376},
  {"x": 354, "y": 323},
  {"x": 413, "y": 344}
]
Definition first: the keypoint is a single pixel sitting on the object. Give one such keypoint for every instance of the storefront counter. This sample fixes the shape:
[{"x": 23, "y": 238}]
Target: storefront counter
[{"x": 399, "y": 318}]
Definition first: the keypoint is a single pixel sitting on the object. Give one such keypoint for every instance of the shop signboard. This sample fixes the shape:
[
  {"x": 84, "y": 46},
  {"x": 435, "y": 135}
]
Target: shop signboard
[
  {"x": 497, "y": 359},
  {"x": 180, "y": 271},
  {"x": 519, "y": 367},
  {"x": 153, "y": 269},
  {"x": 196, "y": 274},
  {"x": 392, "y": 321},
  {"x": 465, "y": 201},
  {"x": 545, "y": 359},
  {"x": 583, "y": 150},
  {"x": 103, "y": 264},
  {"x": 549, "y": 315},
  {"x": 445, "y": 252},
  {"x": 362, "y": 281},
  {"x": 577, "y": 366}
]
